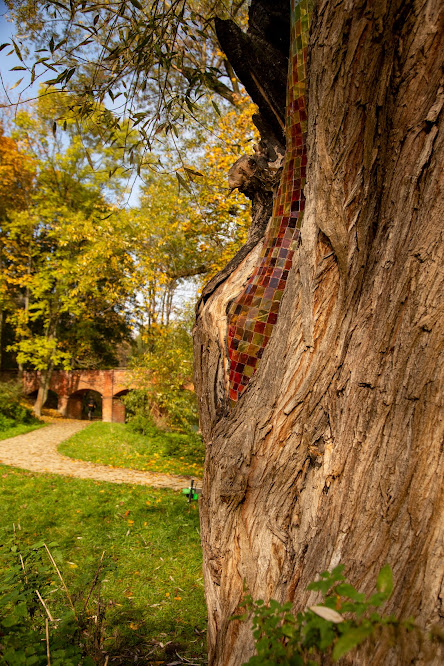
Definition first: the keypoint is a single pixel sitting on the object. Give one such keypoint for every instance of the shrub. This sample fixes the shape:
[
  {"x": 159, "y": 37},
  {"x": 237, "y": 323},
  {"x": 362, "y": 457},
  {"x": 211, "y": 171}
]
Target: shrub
[
  {"x": 12, "y": 411},
  {"x": 343, "y": 621},
  {"x": 190, "y": 446},
  {"x": 29, "y": 633},
  {"x": 164, "y": 373},
  {"x": 138, "y": 412}
]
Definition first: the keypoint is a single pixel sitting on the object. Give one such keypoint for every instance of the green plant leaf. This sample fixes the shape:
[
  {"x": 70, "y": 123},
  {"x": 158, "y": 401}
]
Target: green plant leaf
[
  {"x": 10, "y": 620},
  {"x": 347, "y": 590},
  {"x": 384, "y": 582},
  {"x": 182, "y": 182},
  {"x": 350, "y": 640}
]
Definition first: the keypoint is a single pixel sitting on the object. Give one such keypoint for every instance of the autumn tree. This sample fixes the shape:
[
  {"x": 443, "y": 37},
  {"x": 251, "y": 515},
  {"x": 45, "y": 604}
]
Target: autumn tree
[
  {"x": 189, "y": 223},
  {"x": 64, "y": 259},
  {"x": 182, "y": 236},
  {"x": 17, "y": 174}
]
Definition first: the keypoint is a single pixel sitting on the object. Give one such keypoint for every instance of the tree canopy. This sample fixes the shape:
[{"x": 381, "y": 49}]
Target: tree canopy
[{"x": 154, "y": 62}]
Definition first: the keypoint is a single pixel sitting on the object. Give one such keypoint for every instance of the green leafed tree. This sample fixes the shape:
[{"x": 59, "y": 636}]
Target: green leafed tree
[{"x": 67, "y": 266}]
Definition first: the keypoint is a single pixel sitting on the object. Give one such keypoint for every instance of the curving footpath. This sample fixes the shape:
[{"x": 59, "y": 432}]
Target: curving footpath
[{"x": 36, "y": 451}]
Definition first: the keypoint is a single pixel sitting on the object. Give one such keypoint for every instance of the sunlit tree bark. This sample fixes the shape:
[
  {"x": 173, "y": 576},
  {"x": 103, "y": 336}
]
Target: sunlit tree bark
[{"x": 334, "y": 451}]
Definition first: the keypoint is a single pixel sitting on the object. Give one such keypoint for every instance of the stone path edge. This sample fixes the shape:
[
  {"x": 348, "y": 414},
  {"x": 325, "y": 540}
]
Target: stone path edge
[{"x": 36, "y": 451}]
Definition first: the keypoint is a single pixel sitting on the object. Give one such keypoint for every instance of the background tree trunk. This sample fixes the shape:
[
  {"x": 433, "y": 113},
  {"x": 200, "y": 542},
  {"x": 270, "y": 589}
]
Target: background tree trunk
[
  {"x": 334, "y": 452},
  {"x": 42, "y": 393}
]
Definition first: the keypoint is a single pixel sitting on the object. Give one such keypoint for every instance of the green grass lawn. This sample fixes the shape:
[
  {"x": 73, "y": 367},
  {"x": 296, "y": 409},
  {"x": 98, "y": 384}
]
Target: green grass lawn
[
  {"x": 151, "y": 581},
  {"x": 117, "y": 445},
  {"x": 19, "y": 429}
]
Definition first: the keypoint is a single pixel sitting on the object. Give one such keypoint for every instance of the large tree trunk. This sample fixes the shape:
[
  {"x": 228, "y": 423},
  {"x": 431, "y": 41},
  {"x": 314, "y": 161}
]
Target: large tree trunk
[{"x": 334, "y": 451}]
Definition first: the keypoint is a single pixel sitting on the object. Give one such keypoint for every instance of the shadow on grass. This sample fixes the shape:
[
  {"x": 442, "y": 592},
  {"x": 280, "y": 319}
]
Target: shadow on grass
[{"x": 151, "y": 588}]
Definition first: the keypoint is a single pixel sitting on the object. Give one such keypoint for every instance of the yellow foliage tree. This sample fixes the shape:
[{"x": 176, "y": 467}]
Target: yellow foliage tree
[{"x": 220, "y": 218}]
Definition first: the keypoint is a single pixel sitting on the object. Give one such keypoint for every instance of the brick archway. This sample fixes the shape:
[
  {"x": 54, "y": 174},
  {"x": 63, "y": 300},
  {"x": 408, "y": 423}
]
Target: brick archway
[{"x": 111, "y": 384}]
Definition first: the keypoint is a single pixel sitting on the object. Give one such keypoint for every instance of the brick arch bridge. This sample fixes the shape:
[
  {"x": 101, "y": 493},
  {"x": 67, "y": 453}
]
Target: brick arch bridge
[{"x": 70, "y": 387}]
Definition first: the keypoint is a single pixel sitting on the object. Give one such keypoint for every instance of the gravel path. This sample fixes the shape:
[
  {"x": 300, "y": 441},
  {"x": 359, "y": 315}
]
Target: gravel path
[{"x": 36, "y": 451}]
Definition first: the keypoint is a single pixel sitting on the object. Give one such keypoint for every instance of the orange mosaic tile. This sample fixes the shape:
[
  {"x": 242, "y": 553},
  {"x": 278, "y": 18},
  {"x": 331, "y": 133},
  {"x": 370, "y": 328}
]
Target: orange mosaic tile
[{"x": 255, "y": 311}]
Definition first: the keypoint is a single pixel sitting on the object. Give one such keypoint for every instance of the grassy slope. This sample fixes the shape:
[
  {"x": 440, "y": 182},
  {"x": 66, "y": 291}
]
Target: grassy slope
[
  {"x": 152, "y": 582},
  {"x": 115, "y": 444},
  {"x": 20, "y": 429}
]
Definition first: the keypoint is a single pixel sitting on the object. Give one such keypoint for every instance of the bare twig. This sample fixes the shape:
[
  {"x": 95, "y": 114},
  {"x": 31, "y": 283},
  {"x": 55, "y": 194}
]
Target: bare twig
[
  {"x": 48, "y": 654},
  {"x": 44, "y": 606},
  {"x": 23, "y": 567},
  {"x": 61, "y": 578},
  {"x": 94, "y": 581}
]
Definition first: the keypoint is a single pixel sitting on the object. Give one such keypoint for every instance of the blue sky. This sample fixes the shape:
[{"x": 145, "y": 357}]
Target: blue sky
[{"x": 7, "y": 62}]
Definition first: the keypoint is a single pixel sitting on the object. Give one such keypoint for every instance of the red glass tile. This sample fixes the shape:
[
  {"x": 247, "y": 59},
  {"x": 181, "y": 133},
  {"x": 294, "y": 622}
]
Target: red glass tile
[{"x": 256, "y": 310}]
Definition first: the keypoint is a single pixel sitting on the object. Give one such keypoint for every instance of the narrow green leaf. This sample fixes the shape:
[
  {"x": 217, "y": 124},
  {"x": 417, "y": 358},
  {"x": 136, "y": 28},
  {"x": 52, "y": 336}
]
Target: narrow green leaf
[
  {"x": 57, "y": 46},
  {"x": 17, "y": 83},
  {"x": 90, "y": 162},
  {"x": 136, "y": 3},
  {"x": 3, "y": 46},
  {"x": 192, "y": 172},
  {"x": 216, "y": 108},
  {"x": 70, "y": 74},
  {"x": 182, "y": 182},
  {"x": 17, "y": 50},
  {"x": 54, "y": 128}
]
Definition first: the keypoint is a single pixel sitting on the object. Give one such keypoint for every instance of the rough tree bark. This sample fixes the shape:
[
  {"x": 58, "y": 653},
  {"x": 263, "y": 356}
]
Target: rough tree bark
[
  {"x": 43, "y": 390},
  {"x": 334, "y": 452}
]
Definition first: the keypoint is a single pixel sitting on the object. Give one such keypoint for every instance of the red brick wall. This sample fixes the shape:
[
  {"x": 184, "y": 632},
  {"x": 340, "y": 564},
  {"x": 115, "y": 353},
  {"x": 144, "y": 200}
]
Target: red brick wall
[{"x": 106, "y": 382}]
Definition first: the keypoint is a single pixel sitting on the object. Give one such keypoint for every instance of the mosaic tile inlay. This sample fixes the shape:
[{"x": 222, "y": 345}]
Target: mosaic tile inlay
[{"x": 254, "y": 312}]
